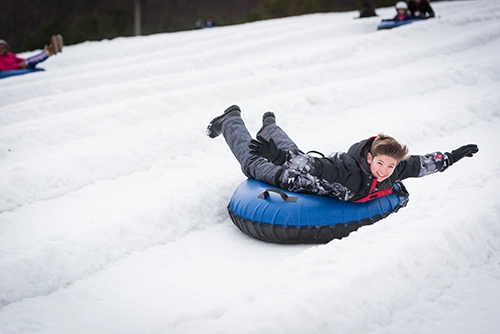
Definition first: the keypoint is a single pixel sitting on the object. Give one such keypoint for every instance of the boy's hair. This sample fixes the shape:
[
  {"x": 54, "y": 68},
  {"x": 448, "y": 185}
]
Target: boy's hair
[{"x": 387, "y": 145}]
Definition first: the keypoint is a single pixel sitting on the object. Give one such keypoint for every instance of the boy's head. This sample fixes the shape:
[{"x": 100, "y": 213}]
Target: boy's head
[
  {"x": 384, "y": 156},
  {"x": 401, "y": 7}
]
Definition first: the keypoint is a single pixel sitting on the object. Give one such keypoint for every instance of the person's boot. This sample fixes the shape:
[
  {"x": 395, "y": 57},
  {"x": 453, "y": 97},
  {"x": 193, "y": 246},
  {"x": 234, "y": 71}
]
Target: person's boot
[
  {"x": 51, "y": 48},
  {"x": 55, "y": 46},
  {"x": 58, "y": 42},
  {"x": 267, "y": 119},
  {"x": 214, "y": 129}
]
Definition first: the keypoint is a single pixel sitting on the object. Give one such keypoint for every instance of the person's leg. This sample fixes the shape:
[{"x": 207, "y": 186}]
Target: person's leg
[
  {"x": 237, "y": 138},
  {"x": 271, "y": 130},
  {"x": 32, "y": 61},
  {"x": 55, "y": 46}
]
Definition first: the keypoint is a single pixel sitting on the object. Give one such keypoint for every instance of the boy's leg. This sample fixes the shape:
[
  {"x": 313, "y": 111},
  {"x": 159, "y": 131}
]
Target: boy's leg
[
  {"x": 237, "y": 138},
  {"x": 31, "y": 62},
  {"x": 271, "y": 130},
  {"x": 56, "y": 45}
]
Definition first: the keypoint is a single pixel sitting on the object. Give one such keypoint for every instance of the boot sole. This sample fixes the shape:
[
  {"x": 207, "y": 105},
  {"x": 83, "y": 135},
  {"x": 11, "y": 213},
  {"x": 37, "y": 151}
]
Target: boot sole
[{"x": 214, "y": 128}]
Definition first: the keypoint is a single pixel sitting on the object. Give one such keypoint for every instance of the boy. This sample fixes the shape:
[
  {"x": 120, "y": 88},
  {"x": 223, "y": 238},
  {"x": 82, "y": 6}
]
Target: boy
[{"x": 367, "y": 171}]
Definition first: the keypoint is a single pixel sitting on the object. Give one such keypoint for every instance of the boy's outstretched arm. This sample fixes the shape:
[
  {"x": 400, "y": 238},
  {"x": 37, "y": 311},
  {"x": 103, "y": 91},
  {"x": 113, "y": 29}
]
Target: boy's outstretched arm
[{"x": 422, "y": 165}]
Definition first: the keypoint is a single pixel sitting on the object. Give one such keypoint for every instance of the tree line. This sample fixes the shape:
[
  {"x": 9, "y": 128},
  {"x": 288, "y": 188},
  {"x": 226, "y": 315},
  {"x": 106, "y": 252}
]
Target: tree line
[{"x": 28, "y": 24}]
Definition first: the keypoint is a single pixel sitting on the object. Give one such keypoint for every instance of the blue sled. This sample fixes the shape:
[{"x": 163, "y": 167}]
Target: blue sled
[
  {"x": 11, "y": 73},
  {"x": 389, "y": 24}
]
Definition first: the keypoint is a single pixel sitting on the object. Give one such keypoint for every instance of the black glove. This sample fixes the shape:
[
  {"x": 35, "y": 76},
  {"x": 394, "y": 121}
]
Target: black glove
[
  {"x": 268, "y": 150},
  {"x": 459, "y": 153}
]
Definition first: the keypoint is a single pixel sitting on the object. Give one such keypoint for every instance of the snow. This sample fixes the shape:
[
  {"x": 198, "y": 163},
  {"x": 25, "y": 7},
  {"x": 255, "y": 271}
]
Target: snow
[{"x": 113, "y": 200}]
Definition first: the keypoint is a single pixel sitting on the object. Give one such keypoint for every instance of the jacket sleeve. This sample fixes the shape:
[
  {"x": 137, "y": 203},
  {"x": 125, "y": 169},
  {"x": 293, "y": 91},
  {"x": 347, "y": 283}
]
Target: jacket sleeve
[
  {"x": 331, "y": 169},
  {"x": 298, "y": 162},
  {"x": 18, "y": 59},
  {"x": 305, "y": 173},
  {"x": 422, "y": 165},
  {"x": 412, "y": 7},
  {"x": 10, "y": 62},
  {"x": 429, "y": 9}
]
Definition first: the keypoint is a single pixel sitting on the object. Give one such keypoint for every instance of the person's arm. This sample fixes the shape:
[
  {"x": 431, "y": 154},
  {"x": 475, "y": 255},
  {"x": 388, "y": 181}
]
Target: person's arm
[
  {"x": 422, "y": 165},
  {"x": 291, "y": 160},
  {"x": 412, "y": 8},
  {"x": 329, "y": 169},
  {"x": 429, "y": 10},
  {"x": 14, "y": 62},
  {"x": 461, "y": 152},
  {"x": 268, "y": 150},
  {"x": 20, "y": 61},
  {"x": 11, "y": 66}
]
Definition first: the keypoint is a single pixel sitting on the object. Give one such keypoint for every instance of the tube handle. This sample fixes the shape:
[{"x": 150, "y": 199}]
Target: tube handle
[{"x": 284, "y": 196}]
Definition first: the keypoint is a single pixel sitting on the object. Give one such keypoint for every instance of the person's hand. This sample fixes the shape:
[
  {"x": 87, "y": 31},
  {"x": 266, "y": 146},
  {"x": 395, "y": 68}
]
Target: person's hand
[
  {"x": 267, "y": 150},
  {"x": 23, "y": 64},
  {"x": 459, "y": 153}
]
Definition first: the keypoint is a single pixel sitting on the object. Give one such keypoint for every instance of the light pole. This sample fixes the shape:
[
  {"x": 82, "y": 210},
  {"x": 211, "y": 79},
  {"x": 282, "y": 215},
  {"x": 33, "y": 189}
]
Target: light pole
[{"x": 137, "y": 17}]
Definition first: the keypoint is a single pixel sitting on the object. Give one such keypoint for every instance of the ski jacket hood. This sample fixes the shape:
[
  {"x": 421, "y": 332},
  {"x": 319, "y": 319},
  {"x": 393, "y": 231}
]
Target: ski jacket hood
[{"x": 359, "y": 152}]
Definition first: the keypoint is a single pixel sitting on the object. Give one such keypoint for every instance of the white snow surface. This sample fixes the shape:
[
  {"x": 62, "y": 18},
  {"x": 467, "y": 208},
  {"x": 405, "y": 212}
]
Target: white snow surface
[{"x": 113, "y": 200}]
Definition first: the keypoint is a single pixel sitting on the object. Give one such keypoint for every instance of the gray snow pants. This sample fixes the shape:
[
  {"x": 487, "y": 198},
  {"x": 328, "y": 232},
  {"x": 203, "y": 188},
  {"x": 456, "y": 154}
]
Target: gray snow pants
[{"x": 238, "y": 138}]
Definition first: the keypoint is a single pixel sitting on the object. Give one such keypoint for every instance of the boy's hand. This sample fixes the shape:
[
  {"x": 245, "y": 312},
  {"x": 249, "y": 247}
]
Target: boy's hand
[
  {"x": 459, "y": 153},
  {"x": 267, "y": 150}
]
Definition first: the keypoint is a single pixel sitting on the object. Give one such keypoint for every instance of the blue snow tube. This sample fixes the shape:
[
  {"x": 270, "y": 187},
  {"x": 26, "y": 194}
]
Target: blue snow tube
[
  {"x": 11, "y": 73},
  {"x": 389, "y": 24},
  {"x": 275, "y": 215}
]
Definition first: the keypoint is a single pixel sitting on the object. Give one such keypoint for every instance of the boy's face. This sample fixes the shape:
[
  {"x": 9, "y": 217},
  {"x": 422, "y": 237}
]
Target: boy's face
[
  {"x": 381, "y": 166},
  {"x": 3, "y": 50},
  {"x": 402, "y": 11}
]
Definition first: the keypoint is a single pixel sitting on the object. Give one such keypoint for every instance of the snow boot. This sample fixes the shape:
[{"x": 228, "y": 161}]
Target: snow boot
[
  {"x": 267, "y": 119},
  {"x": 59, "y": 42},
  {"x": 50, "y": 49},
  {"x": 55, "y": 46},
  {"x": 214, "y": 129}
]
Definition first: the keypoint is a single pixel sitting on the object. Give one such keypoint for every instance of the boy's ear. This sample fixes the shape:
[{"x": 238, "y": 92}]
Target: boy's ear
[{"x": 369, "y": 158}]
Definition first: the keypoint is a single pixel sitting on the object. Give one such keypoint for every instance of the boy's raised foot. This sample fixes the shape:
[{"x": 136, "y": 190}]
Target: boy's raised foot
[{"x": 214, "y": 129}]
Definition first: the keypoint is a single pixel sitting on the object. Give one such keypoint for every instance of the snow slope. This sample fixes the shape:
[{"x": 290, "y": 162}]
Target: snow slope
[{"x": 113, "y": 200}]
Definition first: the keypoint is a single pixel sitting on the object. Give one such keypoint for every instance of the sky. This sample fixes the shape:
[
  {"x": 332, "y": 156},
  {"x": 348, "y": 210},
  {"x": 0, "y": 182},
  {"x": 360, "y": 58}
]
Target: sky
[{"x": 113, "y": 201}]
